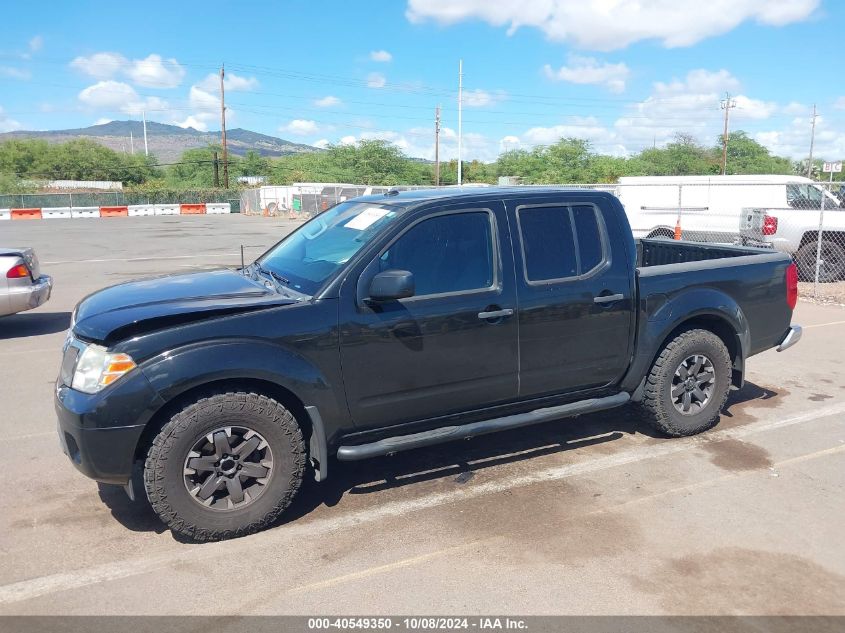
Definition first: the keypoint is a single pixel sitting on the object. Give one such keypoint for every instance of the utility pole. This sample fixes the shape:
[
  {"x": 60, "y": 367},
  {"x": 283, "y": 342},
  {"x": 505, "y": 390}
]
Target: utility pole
[
  {"x": 460, "y": 108},
  {"x": 131, "y": 143},
  {"x": 216, "y": 171},
  {"x": 144, "y": 117},
  {"x": 727, "y": 105},
  {"x": 812, "y": 142},
  {"x": 437, "y": 147},
  {"x": 223, "y": 129}
]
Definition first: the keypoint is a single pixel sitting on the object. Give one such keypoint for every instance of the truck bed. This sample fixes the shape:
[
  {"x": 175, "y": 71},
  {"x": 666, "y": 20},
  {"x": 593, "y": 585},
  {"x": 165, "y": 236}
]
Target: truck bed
[
  {"x": 658, "y": 252},
  {"x": 754, "y": 280}
]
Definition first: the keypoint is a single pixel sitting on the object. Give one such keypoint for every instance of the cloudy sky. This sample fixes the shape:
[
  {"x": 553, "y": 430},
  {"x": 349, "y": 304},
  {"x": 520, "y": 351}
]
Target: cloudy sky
[{"x": 624, "y": 74}]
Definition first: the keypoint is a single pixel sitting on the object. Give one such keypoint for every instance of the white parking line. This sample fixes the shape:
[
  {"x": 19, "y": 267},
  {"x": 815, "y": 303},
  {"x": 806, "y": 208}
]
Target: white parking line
[
  {"x": 807, "y": 327},
  {"x": 45, "y": 585}
]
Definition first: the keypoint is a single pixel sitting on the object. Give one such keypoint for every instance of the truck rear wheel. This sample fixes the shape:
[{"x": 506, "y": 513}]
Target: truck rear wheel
[
  {"x": 688, "y": 384},
  {"x": 832, "y": 266},
  {"x": 225, "y": 466}
]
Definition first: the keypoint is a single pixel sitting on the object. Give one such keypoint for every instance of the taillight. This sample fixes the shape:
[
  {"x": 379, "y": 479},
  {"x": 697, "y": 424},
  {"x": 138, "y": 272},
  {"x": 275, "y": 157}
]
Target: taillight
[
  {"x": 17, "y": 272},
  {"x": 791, "y": 286},
  {"x": 770, "y": 225}
]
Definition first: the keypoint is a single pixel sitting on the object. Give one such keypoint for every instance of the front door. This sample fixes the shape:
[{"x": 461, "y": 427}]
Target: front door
[{"x": 440, "y": 351}]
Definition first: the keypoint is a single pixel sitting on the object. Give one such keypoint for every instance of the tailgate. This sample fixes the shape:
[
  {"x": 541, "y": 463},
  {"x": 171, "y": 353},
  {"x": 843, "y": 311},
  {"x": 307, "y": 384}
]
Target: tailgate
[{"x": 751, "y": 224}]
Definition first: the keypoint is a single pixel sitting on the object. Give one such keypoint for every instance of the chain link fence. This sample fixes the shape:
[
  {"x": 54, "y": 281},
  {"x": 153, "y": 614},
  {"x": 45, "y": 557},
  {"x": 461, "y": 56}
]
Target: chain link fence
[{"x": 118, "y": 198}]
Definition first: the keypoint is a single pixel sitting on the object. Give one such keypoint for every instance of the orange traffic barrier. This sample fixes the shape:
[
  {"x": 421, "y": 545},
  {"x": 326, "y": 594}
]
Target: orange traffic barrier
[
  {"x": 25, "y": 214},
  {"x": 113, "y": 212},
  {"x": 192, "y": 209},
  {"x": 678, "y": 229}
]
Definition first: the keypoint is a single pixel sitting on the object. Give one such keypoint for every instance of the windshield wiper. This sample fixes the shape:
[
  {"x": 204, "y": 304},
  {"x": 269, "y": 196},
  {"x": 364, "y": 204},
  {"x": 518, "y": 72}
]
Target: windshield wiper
[{"x": 276, "y": 278}]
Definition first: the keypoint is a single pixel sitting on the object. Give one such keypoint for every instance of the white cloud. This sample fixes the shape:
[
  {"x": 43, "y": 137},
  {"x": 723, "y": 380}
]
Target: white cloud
[
  {"x": 196, "y": 121},
  {"x": 509, "y": 142},
  {"x": 151, "y": 72},
  {"x": 840, "y": 103},
  {"x": 155, "y": 72},
  {"x": 121, "y": 97},
  {"x": 100, "y": 65},
  {"x": 327, "y": 102},
  {"x": 479, "y": 98},
  {"x": 231, "y": 81},
  {"x": 380, "y": 56},
  {"x": 376, "y": 80},
  {"x": 348, "y": 140},
  {"x": 322, "y": 143},
  {"x": 300, "y": 127},
  {"x": 794, "y": 139},
  {"x": 15, "y": 73},
  {"x": 613, "y": 24},
  {"x": 103, "y": 121},
  {"x": 793, "y": 107},
  {"x": 8, "y": 124},
  {"x": 747, "y": 108},
  {"x": 36, "y": 44},
  {"x": 588, "y": 70}
]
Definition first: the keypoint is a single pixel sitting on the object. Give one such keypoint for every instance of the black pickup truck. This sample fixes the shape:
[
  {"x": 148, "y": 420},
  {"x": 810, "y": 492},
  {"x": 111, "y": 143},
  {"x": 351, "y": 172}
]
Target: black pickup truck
[{"x": 399, "y": 321}]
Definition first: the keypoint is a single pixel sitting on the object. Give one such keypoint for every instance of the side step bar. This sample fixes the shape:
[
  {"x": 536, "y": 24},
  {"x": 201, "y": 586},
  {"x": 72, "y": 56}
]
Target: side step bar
[{"x": 391, "y": 445}]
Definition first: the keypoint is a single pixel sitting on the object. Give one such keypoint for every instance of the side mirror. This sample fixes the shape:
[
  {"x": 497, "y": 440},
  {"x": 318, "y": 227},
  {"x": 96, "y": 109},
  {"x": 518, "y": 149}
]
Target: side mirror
[{"x": 392, "y": 284}]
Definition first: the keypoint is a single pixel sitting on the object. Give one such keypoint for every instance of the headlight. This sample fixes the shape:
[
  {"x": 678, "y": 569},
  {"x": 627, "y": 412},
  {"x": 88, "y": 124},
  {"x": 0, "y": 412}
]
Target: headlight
[{"x": 97, "y": 367}]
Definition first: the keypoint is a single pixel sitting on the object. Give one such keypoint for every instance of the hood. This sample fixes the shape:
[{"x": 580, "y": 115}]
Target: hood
[{"x": 138, "y": 307}]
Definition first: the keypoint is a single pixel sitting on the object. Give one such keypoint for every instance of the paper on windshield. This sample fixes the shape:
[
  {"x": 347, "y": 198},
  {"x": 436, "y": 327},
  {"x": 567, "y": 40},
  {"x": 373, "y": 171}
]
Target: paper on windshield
[{"x": 366, "y": 218}]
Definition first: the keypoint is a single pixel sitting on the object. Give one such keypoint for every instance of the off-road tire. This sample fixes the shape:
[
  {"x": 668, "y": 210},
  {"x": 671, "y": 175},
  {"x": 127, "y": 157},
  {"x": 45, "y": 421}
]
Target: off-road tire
[
  {"x": 657, "y": 406},
  {"x": 164, "y": 466}
]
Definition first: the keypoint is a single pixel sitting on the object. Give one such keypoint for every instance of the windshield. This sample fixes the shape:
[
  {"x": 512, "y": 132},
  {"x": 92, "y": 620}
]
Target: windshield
[{"x": 318, "y": 249}]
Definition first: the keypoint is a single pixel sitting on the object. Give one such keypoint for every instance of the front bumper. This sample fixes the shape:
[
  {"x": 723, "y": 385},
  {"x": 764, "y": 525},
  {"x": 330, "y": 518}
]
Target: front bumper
[
  {"x": 791, "y": 338},
  {"x": 100, "y": 432},
  {"x": 30, "y": 296}
]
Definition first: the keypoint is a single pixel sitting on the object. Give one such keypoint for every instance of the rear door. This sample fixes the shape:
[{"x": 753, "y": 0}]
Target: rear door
[
  {"x": 450, "y": 348},
  {"x": 575, "y": 291}
]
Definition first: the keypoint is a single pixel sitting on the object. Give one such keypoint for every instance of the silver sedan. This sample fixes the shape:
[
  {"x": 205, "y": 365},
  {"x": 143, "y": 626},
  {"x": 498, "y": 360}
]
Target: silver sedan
[{"x": 22, "y": 286}]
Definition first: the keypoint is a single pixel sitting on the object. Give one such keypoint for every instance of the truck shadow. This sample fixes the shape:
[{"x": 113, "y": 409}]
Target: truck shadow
[
  {"x": 456, "y": 462},
  {"x": 33, "y": 324}
]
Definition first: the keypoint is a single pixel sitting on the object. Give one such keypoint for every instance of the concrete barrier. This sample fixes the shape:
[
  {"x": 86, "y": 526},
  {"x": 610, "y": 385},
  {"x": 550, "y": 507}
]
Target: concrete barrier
[
  {"x": 167, "y": 209},
  {"x": 85, "y": 212},
  {"x": 136, "y": 210},
  {"x": 192, "y": 209},
  {"x": 50, "y": 213},
  {"x": 214, "y": 208},
  {"x": 114, "y": 212},
  {"x": 5, "y": 214},
  {"x": 25, "y": 214}
]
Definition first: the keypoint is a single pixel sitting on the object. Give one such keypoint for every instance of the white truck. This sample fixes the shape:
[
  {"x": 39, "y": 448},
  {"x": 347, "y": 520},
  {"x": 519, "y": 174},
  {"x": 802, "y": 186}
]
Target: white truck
[
  {"x": 795, "y": 229},
  {"x": 710, "y": 208}
]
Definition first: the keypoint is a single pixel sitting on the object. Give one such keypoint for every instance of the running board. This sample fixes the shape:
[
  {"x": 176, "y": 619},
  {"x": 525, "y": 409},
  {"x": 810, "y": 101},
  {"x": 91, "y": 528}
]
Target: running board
[{"x": 391, "y": 445}]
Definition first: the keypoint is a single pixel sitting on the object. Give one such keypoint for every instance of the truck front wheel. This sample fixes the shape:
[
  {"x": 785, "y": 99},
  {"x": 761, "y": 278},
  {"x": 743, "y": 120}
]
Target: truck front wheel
[
  {"x": 225, "y": 466},
  {"x": 688, "y": 384}
]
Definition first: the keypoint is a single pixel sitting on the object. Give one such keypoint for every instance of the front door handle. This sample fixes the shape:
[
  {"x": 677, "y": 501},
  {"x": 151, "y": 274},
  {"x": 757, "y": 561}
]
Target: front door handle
[
  {"x": 609, "y": 298},
  {"x": 496, "y": 314}
]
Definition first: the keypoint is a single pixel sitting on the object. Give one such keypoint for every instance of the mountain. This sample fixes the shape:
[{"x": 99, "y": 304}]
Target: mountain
[{"x": 167, "y": 142}]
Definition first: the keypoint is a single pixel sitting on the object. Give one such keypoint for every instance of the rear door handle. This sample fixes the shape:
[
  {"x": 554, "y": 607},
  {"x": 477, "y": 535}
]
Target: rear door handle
[
  {"x": 496, "y": 314},
  {"x": 609, "y": 298}
]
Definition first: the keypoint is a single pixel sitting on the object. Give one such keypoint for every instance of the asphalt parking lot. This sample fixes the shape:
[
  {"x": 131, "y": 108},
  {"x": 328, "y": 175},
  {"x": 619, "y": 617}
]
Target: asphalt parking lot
[{"x": 596, "y": 515}]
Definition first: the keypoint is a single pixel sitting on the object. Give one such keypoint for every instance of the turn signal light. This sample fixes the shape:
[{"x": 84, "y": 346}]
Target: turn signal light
[
  {"x": 117, "y": 365},
  {"x": 18, "y": 272},
  {"x": 770, "y": 225}
]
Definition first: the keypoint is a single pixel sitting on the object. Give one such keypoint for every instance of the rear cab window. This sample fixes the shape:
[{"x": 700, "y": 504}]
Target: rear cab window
[{"x": 560, "y": 242}]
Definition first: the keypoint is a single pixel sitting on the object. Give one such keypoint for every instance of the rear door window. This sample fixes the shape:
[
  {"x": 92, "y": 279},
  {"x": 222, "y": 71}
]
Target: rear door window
[{"x": 560, "y": 242}]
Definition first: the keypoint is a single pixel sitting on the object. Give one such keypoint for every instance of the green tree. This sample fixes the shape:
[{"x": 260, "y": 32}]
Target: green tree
[{"x": 747, "y": 156}]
